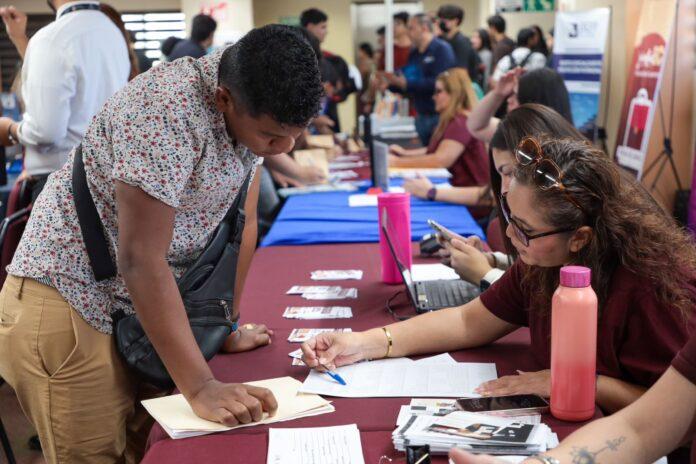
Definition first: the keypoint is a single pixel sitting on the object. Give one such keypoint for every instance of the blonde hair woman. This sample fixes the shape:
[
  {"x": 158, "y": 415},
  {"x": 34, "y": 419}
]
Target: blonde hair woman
[{"x": 452, "y": 146}]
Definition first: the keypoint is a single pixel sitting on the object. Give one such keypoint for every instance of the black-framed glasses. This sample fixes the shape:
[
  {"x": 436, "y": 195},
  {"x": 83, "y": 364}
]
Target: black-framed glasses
[
  {"x": 547, "y": 174},
  {"x": 520, "y": 234}
]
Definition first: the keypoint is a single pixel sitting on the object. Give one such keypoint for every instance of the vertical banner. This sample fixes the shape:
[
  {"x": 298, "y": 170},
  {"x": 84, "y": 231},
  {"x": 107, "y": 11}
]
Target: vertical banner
[
  {"x": 644, "y": 80},
  {"x": 578, "y": 53}
]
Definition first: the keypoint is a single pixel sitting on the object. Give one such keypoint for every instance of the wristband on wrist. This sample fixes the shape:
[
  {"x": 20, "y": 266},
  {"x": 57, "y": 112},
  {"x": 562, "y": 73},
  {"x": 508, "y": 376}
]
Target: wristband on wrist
[
  {"x": 390, "y": 341},
  {"x": 432, "y": 193}
]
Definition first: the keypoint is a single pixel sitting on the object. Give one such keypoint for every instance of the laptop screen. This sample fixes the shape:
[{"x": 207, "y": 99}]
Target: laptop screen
[{"x": 405, "y": 272}]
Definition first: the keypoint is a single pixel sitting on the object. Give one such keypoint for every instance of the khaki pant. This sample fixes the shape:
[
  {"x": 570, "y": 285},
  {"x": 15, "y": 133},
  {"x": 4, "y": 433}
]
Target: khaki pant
[{"x": 69, "y": 379}]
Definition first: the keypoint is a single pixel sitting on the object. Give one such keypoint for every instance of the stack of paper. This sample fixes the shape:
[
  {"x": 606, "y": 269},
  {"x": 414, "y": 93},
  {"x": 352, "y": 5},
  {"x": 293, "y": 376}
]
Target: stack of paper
[
  {"x": 477, "y": 433},
  {"x": 314, "y": 158},
  {"x": 442, "y": 406},
  {"x": 318, "y": 445},
  {"x": 428, "y": 272},
  {"x": 302, "y": 335},
  {"x": 409, "y": 173},
  {"x": 177, "y": 418},
  {"x": 318, "y": 312},
  {"x": 439, "y": 376},
  {"x": 337, "y": 274}
]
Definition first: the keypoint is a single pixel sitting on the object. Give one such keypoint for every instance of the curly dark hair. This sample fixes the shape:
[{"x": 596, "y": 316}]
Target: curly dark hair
[
  {"x": 629, "y": 228},
  {"x": 273, "y": 70}
]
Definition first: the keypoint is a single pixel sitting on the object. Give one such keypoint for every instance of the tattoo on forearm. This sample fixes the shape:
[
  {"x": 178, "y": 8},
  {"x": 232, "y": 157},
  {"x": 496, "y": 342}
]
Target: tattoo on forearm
[{"x": 581, "y": 455}]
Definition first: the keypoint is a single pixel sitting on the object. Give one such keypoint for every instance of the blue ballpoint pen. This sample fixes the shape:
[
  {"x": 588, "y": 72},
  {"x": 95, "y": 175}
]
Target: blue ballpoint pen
[{"x": 334, "y": 375}]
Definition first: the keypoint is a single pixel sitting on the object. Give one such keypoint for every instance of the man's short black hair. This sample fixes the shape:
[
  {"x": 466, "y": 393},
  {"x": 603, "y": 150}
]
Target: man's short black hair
[
  {"x": 451, "y": 12},
  {"x": 202, "y": 27},
  {"x": 401, "y": 16},
  {"x": 381, "y": 30},
  {"x": 273, "y": 71},
  {"x": 497, "y": 22},
  {"x": 312, "y": 16},
  {"x": 366, "y": 47}
]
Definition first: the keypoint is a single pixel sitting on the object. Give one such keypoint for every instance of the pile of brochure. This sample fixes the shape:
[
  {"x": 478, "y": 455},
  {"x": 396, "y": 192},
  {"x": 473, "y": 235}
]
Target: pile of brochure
[
  {"x": 323, "y": 292},
  {"x": 439, "y": 424}
]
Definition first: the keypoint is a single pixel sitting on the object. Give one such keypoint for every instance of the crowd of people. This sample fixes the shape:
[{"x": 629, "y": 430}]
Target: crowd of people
[{"x": 165, "y": 154}]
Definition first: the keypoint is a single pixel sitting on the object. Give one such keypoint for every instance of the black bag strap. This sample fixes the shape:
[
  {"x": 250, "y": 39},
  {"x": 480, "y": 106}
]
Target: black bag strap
[{"x": 91, "y": 226}]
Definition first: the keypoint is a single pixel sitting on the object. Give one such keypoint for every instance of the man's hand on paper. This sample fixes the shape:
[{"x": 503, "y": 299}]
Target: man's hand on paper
[
  {"x": 469, "y": 262},
  {"x": 231, "y": 404},
  {"x": 247, "y": 338},
  {"x": 312, "y": 175},
  {"x": 533, "y": 383},
  {"x": 459, "y": 456},
  {"x": 333, "y": 350}
]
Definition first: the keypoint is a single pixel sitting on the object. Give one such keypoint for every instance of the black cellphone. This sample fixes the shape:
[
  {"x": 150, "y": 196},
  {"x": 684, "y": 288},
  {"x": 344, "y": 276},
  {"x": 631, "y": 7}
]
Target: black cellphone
[{"x": 519, "y": 404}]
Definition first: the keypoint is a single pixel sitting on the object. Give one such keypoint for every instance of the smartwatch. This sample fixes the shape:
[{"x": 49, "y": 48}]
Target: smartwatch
[{"x": 431, "y": 194}]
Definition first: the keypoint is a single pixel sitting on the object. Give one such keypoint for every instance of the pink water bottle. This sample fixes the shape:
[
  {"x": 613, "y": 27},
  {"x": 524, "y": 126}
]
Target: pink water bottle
[
  {"x": 394, "y": 211},
  {"x": 573, "y": 346}
]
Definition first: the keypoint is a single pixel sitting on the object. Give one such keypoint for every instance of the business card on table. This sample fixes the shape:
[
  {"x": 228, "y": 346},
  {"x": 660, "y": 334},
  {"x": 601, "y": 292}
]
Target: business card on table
[
  {"x": 302, "y": 335},
  {"x": 298, "y": 362},
  {"x": 317, "y": 312},
  {"x": 297, "y": 354},
  {"x": 301, "y": 289},
  {"x": 350, "y": 274},
  {"x": 340, "y": 295}
]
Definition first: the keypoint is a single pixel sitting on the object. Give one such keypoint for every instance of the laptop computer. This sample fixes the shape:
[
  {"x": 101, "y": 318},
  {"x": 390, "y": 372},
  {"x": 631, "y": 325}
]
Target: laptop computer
[{"x": 434, "y": 294}]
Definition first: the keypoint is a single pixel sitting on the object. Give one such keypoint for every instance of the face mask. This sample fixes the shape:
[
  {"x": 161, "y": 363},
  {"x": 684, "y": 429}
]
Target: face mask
[
  {"x": 209, "y": 50},
  {"x": 443, "y": 27}
]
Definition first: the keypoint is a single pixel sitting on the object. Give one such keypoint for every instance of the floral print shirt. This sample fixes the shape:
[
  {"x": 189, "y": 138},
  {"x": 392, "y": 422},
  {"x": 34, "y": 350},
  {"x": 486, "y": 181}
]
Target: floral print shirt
[{"x": 162, "y": 134}]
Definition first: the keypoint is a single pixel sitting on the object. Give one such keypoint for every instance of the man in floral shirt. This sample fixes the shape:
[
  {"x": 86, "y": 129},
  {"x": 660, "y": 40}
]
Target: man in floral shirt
[{"x": 164, "y": 159}]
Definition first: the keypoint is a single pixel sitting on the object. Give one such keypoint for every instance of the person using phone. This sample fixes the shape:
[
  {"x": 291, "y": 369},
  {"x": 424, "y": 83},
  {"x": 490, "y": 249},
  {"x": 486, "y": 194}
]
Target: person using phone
[
  {"x": 643, "y": 268},
  {"x": 660, "y": 421}
]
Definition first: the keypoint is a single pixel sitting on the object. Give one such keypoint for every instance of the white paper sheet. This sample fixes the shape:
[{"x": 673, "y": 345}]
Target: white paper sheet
[
  {"x": 402, "y": 377},
  {"x": 317, "y": 445},
  {"x": 427, "y": 272}
]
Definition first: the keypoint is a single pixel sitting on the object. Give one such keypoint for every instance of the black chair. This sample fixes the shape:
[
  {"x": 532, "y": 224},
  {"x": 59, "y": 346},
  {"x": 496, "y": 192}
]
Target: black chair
[{"x": 5, "y": 440}]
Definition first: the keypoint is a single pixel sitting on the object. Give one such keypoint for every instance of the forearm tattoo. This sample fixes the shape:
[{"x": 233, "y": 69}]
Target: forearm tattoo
[{"x": 581, "y": 455}]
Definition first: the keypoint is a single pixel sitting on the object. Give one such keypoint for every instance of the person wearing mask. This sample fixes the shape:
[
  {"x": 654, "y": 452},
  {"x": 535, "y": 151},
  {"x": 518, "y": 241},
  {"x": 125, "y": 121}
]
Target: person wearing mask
[
  {"x": 657, "y": 423},
  {"x": 521, "y": 57},
  {"x": 402, "y": 42},
  {"x": 481, "y": 42},
  {"x": 502, "y": 44},
  {"x": 452, "y": 146},
  {"x": 429, "y": 58},
  {"x": 544, "y": 86},
  {"x": 450, "y": 19},
  {"x": 202, "y": 35},
  {"x": 643, "y": 271},
  {"x": 71, "y": 67},
  {"x": 162, "y": 168}
]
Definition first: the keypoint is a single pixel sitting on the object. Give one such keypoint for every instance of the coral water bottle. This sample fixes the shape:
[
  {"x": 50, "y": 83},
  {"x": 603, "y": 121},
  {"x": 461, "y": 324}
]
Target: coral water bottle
[{"x": 573, "y": 346}]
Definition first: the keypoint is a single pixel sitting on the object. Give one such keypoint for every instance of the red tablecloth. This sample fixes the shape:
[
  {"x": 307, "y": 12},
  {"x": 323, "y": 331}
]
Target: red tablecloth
[{"x": 273, "y": 271}]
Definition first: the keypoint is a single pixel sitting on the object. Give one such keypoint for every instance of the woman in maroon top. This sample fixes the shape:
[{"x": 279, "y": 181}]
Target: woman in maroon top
[
  {"x": 642, "y": 265},
  {"x": 452, "y": 145}
]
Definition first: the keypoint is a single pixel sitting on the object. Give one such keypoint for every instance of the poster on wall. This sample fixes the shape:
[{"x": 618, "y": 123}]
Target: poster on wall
[
  {"x": 578, "y": 53},
  {"x": 504, "y": 6},
  {"x": 644, "y": 80}
]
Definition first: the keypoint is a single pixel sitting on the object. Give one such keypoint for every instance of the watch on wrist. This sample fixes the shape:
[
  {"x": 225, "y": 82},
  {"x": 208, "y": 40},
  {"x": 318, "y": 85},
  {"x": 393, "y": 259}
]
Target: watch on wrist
[
  {"x": 431, "y": 194},
  {"x": 484, "y": 285}
]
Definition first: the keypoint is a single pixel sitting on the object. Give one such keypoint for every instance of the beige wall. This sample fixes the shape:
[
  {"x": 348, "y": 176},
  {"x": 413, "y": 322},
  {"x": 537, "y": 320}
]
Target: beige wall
[{"x": 339, "y": 40}]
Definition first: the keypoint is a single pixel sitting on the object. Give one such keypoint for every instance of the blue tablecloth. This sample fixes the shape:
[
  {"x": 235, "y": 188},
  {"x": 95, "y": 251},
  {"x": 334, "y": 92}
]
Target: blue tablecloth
[{"x": 326, "y": 218}]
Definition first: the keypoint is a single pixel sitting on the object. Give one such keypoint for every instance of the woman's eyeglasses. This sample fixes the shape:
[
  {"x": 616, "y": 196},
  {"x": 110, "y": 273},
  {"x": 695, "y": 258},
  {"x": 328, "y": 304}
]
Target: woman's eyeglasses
[
  {"x": 520, "y": 234},
  {"x": 547, "y": 174}
]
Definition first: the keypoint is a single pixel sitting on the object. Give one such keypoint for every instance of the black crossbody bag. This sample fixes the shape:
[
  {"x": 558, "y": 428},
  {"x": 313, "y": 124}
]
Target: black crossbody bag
[{"x": 207, "y": 286}]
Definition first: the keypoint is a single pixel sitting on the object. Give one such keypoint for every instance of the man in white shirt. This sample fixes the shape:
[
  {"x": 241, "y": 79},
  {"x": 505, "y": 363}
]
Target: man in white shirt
[
  {"x": 523, "y": 56},
  {"x": 71, "y": 67}
]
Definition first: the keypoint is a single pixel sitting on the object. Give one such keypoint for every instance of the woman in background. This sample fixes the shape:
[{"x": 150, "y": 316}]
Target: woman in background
[{"x": 481, "y": 42}]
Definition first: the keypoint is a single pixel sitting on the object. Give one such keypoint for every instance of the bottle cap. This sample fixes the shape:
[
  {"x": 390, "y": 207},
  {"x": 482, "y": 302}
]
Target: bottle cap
[
  {"x": 576, "y": 276},
  {"x": 393, "y": 198}
]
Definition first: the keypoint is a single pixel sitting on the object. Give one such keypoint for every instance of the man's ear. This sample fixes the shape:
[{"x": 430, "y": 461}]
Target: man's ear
[
  {"x": 581, "y": 238},
  {"x": 223, "y": 99}
]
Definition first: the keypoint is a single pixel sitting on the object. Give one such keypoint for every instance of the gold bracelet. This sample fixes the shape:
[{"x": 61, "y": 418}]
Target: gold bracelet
[{"x": 390, "y": 341}]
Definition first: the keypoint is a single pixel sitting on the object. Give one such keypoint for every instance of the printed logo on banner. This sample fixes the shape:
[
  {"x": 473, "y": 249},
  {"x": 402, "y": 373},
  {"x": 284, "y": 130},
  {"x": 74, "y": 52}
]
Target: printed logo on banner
[
  {"x": 578, "y": 56},
  {"x": 644, "y": 79}
]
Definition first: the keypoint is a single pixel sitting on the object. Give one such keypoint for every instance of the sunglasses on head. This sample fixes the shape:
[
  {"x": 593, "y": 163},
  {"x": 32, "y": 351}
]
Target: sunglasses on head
[
  {"x": 547, "y": 174},
  {"x": 520, "y": 234}
]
